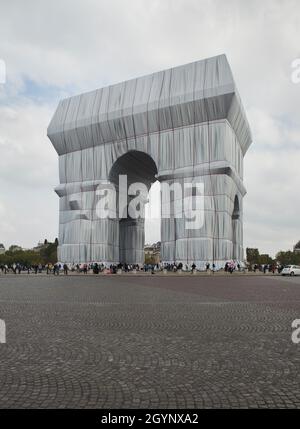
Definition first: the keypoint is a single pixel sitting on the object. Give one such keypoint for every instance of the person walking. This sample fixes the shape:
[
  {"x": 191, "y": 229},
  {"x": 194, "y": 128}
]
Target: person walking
[{"x": 66, "y": 269}]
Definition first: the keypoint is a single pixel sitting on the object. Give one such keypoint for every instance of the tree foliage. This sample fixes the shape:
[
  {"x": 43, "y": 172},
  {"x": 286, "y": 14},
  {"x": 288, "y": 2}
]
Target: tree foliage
[
  {"x": 285, "y": 258},
  {"x": 288, "y": 258},
  {"x": 47, "y": 253},
  {"x": 252, "y": 256}
]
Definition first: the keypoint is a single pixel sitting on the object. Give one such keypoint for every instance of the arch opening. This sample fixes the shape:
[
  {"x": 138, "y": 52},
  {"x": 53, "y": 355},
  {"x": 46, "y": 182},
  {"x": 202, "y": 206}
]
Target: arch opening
[
  {"x": 236, "y": 208},
  {"x": 235, "y": 228},
  {"x": 138, "y": 167}
]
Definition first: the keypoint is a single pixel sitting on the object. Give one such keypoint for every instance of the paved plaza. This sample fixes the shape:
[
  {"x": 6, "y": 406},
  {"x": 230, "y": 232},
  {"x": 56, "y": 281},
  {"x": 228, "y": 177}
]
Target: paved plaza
[{"x": 149, "y": 341}]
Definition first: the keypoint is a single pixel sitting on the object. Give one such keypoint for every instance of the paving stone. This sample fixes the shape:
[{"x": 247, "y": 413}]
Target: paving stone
[{"x": 121, "y": 342}]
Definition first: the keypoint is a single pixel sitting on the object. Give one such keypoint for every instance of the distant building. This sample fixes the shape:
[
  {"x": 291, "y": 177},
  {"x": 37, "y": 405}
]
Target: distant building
[
  {"x": 152, "y": 252},
  {"x": 40, "y": 245},
  {"x": 2, "y": 249}
]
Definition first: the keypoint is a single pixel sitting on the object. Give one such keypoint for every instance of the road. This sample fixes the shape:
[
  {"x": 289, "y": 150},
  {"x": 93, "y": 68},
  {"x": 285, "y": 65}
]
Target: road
[{"x": 149, "y": 342}]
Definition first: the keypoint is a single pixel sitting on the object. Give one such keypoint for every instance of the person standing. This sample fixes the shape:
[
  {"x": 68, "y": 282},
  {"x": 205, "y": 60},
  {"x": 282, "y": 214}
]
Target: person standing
[{"x": 56, "y": 269}]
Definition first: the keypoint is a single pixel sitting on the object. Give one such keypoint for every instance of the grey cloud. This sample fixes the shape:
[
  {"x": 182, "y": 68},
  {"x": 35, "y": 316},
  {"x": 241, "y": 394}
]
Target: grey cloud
[{"x": 84, "y": 45}]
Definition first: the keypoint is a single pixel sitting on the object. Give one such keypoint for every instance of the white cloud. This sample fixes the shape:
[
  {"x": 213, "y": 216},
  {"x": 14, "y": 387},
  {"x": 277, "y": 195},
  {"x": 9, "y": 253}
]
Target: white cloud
[
  {"x": 28, "y": 172},
  {"x": 272, "y": 204},
  {"x": 27, "y": 157}
]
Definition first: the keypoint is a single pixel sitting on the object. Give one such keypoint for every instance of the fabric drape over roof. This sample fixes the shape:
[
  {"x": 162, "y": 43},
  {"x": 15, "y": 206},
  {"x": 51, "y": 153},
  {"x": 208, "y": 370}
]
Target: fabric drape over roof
[{"x": 191, "y": 94}]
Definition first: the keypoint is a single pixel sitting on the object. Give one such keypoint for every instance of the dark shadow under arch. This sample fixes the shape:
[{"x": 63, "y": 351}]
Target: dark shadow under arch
[
  {"x": 138, "y": 167},
  {"x": 235, "y": 227}
]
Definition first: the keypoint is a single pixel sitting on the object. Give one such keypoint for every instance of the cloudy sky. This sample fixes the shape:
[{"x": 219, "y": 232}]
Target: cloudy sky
[{"x": 53, "y": 49}]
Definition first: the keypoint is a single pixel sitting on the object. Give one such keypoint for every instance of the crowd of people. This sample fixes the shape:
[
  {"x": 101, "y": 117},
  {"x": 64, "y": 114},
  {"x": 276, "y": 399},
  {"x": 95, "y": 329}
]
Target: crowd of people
[
  {"x": 96, "y": 268},
  {"x": 267, "y": 268}
]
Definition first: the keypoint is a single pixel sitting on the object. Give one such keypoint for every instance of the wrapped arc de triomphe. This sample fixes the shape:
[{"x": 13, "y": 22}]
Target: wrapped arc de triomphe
[{"x": 182, "y": 124}]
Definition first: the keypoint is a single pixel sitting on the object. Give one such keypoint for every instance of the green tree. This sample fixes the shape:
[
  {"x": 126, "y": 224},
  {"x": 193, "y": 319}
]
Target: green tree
[
  {"x": 265, "y": 259},
  {"x": 29, "y": 257},
  {"x": 14, "y": 247},
  {"x": 297, "y": 245},
  {"x": 288, "y": 258},
  {"x": 49, "y": 253},
  {"x": 252, "y": 255}
]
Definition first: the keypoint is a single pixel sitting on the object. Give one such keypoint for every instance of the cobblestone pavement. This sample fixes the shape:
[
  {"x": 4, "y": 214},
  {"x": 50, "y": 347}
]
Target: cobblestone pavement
[{"x": 149, "y": 342}]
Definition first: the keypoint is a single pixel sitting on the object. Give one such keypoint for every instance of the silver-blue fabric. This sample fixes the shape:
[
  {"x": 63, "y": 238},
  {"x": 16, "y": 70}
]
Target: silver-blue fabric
[{"x": 190, "y": 121}]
